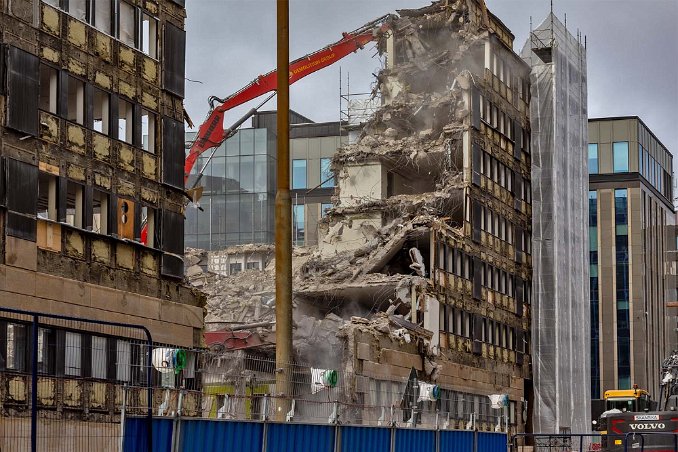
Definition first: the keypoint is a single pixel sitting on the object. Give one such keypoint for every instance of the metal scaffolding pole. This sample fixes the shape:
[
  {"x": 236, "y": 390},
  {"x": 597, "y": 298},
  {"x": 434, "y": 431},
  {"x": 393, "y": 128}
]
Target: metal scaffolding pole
[{"x": 283, "y": 224}]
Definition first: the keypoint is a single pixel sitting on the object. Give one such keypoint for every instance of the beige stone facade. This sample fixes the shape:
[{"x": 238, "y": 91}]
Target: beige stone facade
[{"x": 631, "y": 219}]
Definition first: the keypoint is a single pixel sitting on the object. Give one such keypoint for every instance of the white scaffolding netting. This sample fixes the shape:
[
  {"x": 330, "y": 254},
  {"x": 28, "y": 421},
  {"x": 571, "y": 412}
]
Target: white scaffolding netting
[{"x": 560, "y": 309}]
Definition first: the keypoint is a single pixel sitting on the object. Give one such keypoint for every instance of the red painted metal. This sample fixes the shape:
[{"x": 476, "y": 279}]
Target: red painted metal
[{"x": 211, "y": 132}]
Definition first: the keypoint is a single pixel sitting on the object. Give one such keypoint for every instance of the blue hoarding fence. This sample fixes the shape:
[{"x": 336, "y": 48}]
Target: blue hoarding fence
[{"x": 192, "y": 435}]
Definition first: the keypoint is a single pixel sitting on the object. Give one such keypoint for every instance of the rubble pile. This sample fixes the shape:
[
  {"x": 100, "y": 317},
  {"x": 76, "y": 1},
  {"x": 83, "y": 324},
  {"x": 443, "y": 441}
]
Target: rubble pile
[{"x": 246, "y": 297}]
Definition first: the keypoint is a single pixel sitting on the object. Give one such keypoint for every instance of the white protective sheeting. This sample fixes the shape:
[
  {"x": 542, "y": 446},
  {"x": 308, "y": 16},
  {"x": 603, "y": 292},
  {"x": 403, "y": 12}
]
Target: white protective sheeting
[{"x": 560, "y": 288}]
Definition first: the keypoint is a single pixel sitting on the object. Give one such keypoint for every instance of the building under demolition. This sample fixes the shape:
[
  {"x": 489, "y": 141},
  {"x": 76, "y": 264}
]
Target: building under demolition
[
  {"x": 424, "y": 263},
  {"x": 91, "y": 203}
]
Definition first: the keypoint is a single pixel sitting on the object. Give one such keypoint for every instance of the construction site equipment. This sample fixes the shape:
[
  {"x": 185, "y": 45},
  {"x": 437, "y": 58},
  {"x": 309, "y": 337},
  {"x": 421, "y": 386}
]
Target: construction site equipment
[
  {"x": 212, "y": 133},
  {"x": 631, "y": 412}
]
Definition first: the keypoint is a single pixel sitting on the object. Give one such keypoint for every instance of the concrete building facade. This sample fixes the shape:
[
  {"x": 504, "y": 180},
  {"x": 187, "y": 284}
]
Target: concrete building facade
[
  {"x": 92, "y": 150},
  {"x": 631, "y": 231}
]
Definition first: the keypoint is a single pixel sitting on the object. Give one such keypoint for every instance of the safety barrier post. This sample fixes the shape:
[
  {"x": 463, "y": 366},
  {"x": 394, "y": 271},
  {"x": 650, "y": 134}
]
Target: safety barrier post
[{"x": 34, "y": 386}]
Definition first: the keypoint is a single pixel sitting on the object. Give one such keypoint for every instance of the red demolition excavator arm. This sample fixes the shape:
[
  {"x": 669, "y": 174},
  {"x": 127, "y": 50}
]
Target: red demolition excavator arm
[{"x": 212, "y": 134}]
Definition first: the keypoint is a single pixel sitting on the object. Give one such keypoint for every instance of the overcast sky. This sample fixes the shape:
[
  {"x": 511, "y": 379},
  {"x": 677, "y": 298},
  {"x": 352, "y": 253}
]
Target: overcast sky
[{"x": 632, "y": 52}]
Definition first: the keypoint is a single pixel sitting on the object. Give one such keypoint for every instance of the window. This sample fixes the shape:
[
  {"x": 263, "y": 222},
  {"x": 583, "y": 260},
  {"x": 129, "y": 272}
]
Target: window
[
  {"x": 17, "y": 347},
  {"x": 45, "y": 351},
  {"x": 77, "y": 9},
  {"x": 48, "y": 88},
  {"x": 127, "y": 30},
  {"x": 234, "y": 268},
  {"x": 147, "y": 226},
  {"x": 148, "y": 122},
  {"x": 74, "y": 204},
  {"x": 75, "y": 107},
  {"x": 252, "y": 266},
  {"x": 324, "y": 207},
  {"x": 298, "y": 224},
  {"x": 593, "y": 158},
  {"x": 149, "y": 35},
  {"x": 72, "y": 359},
  {"x": 326, "y": 175},
  {"x": 99, "y": 212},
  {"x": 620, "y": 156},
  {"x": 98, "y": 357},
  {"x": 101, "y": 111},
  {"x": 125, "y": 121},
  {"x": 298, "y": 174},
  {"x": 47, "y": 196},
  {"x": 102, "y": 15},
  {"x": 123, "y": 360}
]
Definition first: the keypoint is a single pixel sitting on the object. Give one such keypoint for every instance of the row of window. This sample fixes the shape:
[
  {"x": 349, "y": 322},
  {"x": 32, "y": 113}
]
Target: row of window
[
  {"x": 501, "y": 174},
  {"x": 461, "y": 405},
  {"x": 299, "y": 174},
  {"x": 62, "y": 353},
  {"x": 83, "y": 103},
  {"x": 501, "y": 68},
  {"x": 60, "y": 195},
  {"x": 502, "y": 282},
  {"x": 83, "y": 355},
  {"x": 495, "y": 170},
  {"x": 653, "y": 172},
  {"x": 497, "y": 119},
  {"x": 131, "y": 25},
  {"x": 472, "y": 326},
  {"x": 455, "y": 261},
  {"x": 496, "y": 225}
]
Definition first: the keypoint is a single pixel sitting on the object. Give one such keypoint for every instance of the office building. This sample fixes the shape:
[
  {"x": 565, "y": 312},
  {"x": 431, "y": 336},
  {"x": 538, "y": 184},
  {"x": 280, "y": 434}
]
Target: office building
[
  {"x": 238, "y": 201},
  {"x": 632, "y": 238},
  {"x": 560, "y": 308}
]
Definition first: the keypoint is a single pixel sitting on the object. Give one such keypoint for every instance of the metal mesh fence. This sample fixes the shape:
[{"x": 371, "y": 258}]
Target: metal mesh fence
[
  {"x": 90, "y": 375},
  {"x": 63, "y": 380}
]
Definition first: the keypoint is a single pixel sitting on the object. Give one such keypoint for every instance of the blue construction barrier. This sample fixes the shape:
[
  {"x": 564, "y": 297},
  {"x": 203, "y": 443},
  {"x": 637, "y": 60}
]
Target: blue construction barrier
[{"x": 193, "y": 435}]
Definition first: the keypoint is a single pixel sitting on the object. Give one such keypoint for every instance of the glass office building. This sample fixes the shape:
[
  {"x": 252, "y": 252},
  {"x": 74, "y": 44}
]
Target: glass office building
[{"x": 237, "y": 205}]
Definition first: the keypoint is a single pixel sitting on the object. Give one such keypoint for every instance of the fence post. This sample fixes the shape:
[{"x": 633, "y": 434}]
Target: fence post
[
  {"x": 437, "y": 434},
  {"x": 176, "y": 427},
  {"x": 393, "y": 436},
  {"x": 123, "y": 414},
  {"x": 149, "y": 389},
  {"x": 34, "y": 386},
  {"x": 264, "y": 418}
]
